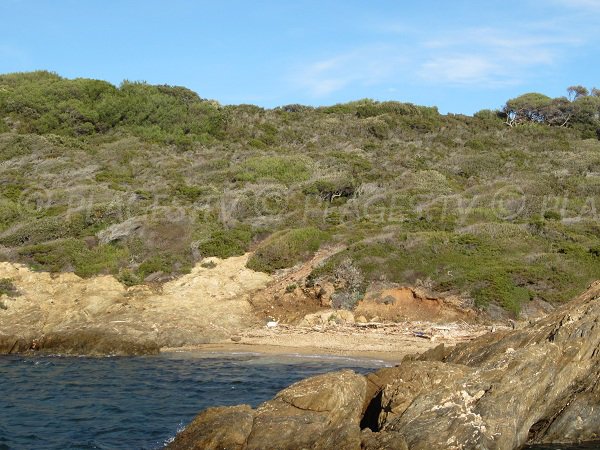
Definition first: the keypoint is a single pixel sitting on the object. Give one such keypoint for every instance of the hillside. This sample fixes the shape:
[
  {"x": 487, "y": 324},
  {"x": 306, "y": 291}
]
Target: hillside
[{"x": 143, "y": 181}]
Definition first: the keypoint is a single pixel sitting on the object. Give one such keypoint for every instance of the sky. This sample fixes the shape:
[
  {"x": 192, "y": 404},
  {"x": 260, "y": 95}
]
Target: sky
[{"x": 461, "y": 56}]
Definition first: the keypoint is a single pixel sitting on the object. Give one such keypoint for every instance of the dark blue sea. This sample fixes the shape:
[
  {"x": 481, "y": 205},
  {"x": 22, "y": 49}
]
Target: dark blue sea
[{"x": 138, "y": 402}]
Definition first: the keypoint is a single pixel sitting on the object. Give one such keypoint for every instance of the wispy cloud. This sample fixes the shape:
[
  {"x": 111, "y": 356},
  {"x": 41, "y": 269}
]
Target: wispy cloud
[
  {"x": 487, "y": 57},
  {"x": 364, "y": 66},
  {"x": 459, "y": 69}
]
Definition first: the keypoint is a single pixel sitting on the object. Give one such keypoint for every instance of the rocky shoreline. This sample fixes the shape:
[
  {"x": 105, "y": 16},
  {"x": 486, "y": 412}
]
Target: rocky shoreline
[
  {"x": 63, "y": 313},
  {"x": 535, "y": 385},
  {"x": 79, "y": 342},
  {"x": 467, "y": 387},
  {"x": 216, "y": 304}
]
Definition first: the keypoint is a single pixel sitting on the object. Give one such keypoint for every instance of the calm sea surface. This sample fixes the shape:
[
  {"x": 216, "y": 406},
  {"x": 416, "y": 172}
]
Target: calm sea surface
[{"x": 139, "y": 402}]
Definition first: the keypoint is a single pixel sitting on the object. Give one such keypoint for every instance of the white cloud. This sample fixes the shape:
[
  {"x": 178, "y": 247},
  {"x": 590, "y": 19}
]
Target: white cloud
[
  {"x": 459, "y": 69},
  {"x": 490, "y": 57},
  {"x": 363, "y": 66},
  {"x": 483, "y": 56}
]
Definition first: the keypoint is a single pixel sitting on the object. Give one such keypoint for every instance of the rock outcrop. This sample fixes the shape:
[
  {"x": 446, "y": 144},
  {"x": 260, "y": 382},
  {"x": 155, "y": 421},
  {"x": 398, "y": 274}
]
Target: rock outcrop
[
  {"x": 319, "y": 412},
  {"x": 401, "y": 304},
  {"x": 223, "y": 428},
  {"x": 90, "y": 342},
  {"x": 63, "y": 313},
  {"x": 538, "y": 384}
]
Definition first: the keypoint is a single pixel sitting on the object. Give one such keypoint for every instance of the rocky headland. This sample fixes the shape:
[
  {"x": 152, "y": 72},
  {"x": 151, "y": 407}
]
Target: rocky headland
[
  {"x": 502, "y": 390},
  {"x": 63, "y": 313}
]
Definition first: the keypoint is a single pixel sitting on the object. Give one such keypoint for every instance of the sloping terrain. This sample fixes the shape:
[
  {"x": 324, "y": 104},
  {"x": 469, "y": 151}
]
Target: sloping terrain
[
  {"x": 142, "y": 182},
  {"x": 220, "y": 302}
]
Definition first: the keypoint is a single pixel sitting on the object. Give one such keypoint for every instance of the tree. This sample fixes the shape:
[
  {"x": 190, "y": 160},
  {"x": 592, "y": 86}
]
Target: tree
[
  {"x": 558, "y": 112},
  {"x": 577, "y": 91},
  {"x": 526, "y": 108}
]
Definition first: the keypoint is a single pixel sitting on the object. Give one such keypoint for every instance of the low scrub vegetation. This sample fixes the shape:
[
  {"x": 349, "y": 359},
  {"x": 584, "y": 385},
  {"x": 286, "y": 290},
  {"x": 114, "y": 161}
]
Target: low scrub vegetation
[
  {"x": 144, "y": 181},
  {"x": 7, "y": 287},
  {"x": 286, "y": 248}
]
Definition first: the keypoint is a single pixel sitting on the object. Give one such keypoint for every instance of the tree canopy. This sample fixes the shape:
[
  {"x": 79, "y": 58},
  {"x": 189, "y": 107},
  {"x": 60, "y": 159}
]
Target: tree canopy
[{"x": 580, "y": 110}]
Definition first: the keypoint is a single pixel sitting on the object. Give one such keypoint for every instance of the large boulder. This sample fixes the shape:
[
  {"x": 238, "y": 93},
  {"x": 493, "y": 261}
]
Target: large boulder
[
  {"x": 534, "y": 385},
  {"x": 222, "y": 428},
  {"x": 322, "y": 412},
  {"x": 122, "y": 231}
]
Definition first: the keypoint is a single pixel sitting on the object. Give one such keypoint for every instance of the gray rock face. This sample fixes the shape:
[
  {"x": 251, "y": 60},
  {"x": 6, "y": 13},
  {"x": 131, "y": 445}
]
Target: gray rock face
[
  {"x": 121, "y": 230},
  {"x": 539, "y": 384}
]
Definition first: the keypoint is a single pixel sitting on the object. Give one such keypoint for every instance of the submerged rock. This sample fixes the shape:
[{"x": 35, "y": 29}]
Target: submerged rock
[{"x": 538, "y": 384}]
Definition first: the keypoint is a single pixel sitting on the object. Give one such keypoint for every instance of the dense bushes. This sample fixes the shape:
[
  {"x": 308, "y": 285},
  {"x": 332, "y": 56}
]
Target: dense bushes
[
  {"x": 284, "y": 170},
  {"x": 581, "y": 111},
  {"x": 225, "y": 243},
  {"x": 73, "y": 255},
  {"x": 43, "y": 102}
]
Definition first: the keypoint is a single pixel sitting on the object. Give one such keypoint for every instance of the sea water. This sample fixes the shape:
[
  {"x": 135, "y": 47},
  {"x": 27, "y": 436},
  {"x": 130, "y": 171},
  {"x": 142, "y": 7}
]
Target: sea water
[
  {"x": 137, "y": 402},
  {"x": 128, "y": 403}
]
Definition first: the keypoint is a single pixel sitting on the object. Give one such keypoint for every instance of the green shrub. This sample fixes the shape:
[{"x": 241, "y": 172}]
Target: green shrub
[
  {"x": 7, "y": 287},
  {"x": 208, "y": 264},
  {"x": 552, "y": 215},
  {"x": 501, "y": 289},
  {"x": 488, "y": 115},
  {"x": 284, "y": 170},
  {"x": 10, "y": 212},
  {"x": 189, "y": 193},
  {"x": 225, "y": 243},
  {"x": 128, "y": 278},
  {"x": 165, "y": 263},
  {"x": 74, "y": 255},
  {"x": 286, "y": 248}
]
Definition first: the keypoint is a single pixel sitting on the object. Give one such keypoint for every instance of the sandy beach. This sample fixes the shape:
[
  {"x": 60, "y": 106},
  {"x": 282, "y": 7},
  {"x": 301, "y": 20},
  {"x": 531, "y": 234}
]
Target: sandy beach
[{"x": 389, "y": 342}]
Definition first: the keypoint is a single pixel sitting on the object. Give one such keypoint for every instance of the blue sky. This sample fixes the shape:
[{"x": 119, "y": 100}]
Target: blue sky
[{"x": 461, "y": 56}]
